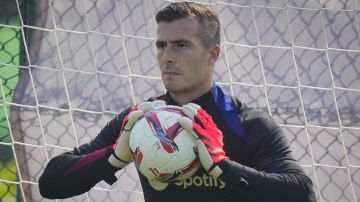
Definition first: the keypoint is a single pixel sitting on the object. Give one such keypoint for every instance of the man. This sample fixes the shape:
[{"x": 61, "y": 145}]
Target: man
[{"x": 243, "y": 152}]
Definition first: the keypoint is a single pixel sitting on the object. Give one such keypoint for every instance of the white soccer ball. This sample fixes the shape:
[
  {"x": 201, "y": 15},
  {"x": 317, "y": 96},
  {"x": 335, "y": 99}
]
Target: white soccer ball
[{"x": 161, "y": 148}]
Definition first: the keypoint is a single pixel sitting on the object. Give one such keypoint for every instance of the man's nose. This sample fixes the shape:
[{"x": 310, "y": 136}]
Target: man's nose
[{"x": 168, "y": 55}]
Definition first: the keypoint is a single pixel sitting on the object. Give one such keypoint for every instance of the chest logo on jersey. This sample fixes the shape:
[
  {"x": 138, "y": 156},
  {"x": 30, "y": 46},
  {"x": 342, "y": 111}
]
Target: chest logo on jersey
[{"x": 202, "y": 181}]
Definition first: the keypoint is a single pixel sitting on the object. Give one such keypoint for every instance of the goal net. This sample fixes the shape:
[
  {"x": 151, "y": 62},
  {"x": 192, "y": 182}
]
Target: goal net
[{"x": 69, "y": 66}]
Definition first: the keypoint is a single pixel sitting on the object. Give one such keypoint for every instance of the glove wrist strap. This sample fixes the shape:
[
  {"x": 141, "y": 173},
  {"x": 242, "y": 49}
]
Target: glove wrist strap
[
  {"x": 117, "y": 162},
  {"x": 215, "y": 171}
]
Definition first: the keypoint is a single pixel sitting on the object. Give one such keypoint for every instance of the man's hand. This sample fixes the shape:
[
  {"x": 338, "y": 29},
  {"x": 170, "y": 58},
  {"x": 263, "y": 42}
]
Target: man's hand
[
  {"x": 122, "y": 155},
  {"x": 209, "y": 139}
]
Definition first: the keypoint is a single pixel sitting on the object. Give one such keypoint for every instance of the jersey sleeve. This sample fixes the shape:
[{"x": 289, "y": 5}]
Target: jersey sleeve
[
  {"x": 76, "y": 172},
  {"x": 274, "y": 175}
]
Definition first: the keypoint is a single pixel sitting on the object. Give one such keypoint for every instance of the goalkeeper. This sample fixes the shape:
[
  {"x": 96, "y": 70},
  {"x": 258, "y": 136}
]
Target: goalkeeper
[{"x": 244, "y": 154}]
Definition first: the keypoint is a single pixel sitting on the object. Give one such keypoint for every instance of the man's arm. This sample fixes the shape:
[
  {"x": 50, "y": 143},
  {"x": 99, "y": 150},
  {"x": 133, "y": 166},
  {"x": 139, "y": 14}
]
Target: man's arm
[
  {"x": 76, "y": 172},
  {"x": 276, "y": 176}
]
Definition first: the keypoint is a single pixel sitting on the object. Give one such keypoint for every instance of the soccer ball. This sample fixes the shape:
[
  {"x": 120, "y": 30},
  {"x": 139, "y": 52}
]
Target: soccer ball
[{"x": 161, "y": 148}]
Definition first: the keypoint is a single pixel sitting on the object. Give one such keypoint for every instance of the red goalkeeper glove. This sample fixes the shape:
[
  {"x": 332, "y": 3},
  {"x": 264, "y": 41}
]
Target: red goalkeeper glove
[
  {"x": 122, "y": 154},
  {"x": 209, "y": 141}
]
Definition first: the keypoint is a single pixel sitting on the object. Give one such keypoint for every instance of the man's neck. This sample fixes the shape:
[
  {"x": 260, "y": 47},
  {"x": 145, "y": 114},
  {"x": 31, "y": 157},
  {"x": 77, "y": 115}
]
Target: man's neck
[{"x": 184, "y": 98}]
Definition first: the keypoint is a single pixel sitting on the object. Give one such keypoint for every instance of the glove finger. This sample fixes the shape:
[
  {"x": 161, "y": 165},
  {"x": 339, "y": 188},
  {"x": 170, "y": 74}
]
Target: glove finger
[
  {"x": 204, "y": 155},
  {"x": 133, "y": 118},
  {"x": 145, "y": 106},
  {"x": 123, "y": 149},
  {"x": 206, "y": 160},
  {"x": 206, "y": 116},
  {"x": 196, "y": 113},
  {"x": 196, "y": 106},
  {"x": 158, "y": 103},
  {"x": 189, "y": 111},
  {"x": 195, "y": 129},
  {"x": 200, "y": 131},
  {"x": 187, "y": 124}
]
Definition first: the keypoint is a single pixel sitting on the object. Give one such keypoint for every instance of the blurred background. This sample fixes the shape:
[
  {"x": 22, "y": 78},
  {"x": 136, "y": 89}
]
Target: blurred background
[{"x": 69, "y": 66}]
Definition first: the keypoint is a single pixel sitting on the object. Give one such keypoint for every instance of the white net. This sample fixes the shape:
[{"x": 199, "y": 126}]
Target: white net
[{"x": 68, "y": 66}]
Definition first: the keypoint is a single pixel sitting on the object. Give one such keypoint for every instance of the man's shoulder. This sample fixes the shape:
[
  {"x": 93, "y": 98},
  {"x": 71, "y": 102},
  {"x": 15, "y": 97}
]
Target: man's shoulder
[
  {"x": 250, "y": 114},
  {"x": 247, "y": 113},
  {"x": 257, "y": 119},
  {"x": 260, "y": 129}
]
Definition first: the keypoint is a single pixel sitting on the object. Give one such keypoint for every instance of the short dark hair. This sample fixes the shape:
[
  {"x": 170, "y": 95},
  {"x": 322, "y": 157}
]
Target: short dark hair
[{"x": 206, "y": 17}]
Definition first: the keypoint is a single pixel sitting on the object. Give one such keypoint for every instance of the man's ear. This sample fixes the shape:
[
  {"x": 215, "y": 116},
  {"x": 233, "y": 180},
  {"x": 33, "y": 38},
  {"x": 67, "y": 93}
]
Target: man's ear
[{"x": 214, "y": 52}]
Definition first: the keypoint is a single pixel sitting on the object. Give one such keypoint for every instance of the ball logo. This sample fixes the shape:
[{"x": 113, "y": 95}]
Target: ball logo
[{"x": 166, "y": 136}]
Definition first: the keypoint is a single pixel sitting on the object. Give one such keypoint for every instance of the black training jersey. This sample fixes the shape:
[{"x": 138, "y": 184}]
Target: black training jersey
[{"x": 261, "y": 167}]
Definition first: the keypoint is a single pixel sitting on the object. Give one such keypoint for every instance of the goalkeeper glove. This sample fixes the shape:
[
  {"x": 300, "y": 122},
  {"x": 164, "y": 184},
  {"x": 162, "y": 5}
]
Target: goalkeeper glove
[
  {"x": 209, "y": 139},
  {"x": 122, "y": 154}
]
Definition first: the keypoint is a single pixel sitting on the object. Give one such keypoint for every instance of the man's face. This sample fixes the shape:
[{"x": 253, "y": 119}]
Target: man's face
[{"x": 186, "y": 66}]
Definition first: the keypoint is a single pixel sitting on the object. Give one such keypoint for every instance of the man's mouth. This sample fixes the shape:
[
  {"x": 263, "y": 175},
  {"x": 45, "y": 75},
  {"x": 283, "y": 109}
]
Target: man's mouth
[{"x": 170, "y": 73}]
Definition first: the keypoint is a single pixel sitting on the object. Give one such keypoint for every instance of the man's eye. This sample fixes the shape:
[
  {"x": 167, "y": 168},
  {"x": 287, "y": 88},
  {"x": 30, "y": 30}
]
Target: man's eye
[
  {"x": 160, "y": 46},
  {"x": 181, "y": 45}
]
